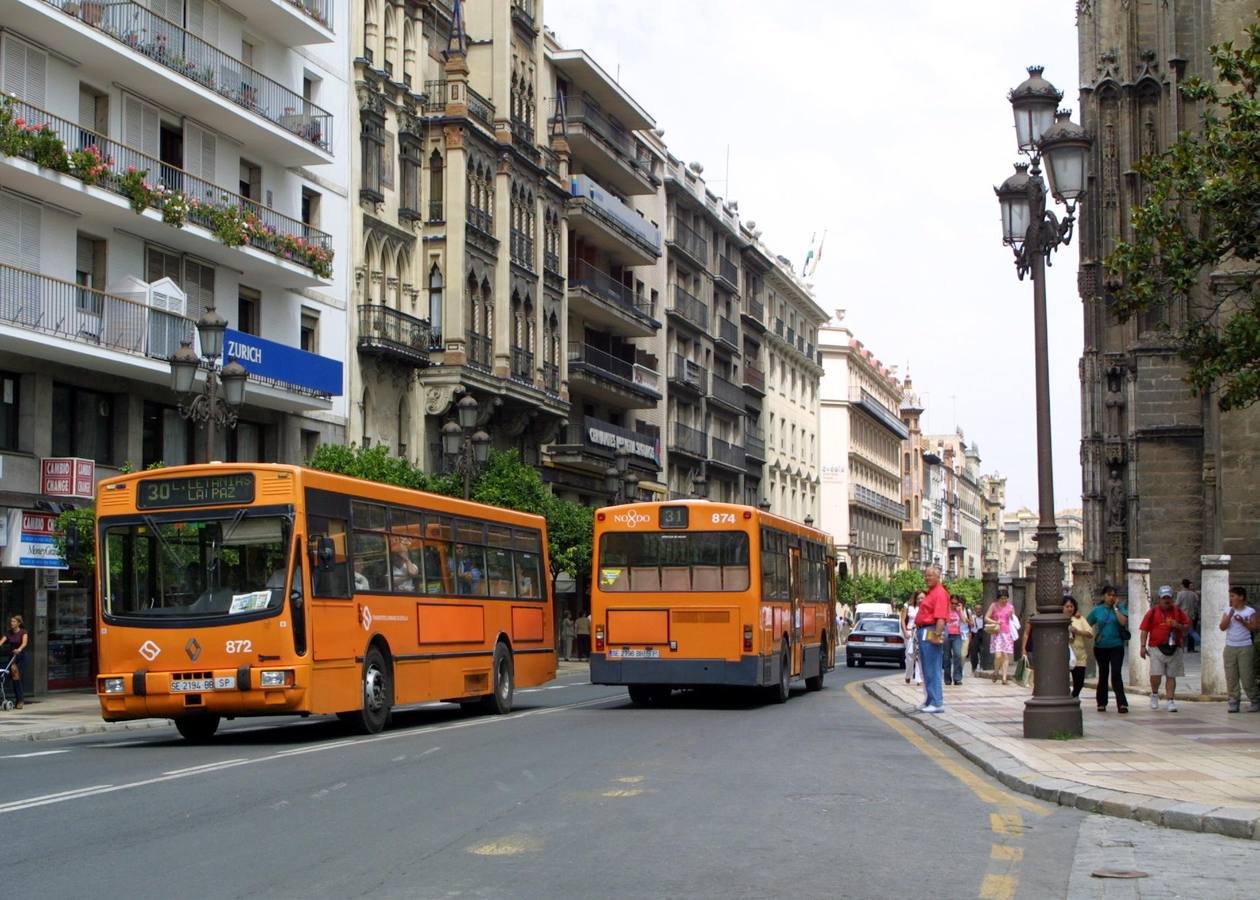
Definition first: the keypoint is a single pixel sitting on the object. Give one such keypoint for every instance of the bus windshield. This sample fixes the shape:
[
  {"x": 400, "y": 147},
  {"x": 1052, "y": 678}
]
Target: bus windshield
[
  {"x": 674, "y": 561},
  {"x": 196, "y": 567}
]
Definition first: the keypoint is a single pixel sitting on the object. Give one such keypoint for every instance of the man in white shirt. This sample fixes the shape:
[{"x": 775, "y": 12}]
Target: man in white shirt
[{"x": 1240, "y": 624}]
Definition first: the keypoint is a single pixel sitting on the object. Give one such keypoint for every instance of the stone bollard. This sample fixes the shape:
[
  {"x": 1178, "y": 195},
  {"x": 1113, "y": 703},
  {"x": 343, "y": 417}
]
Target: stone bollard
[
  {"x": 1137, "y": 670},
  {"x": 1215, "y": 597}
]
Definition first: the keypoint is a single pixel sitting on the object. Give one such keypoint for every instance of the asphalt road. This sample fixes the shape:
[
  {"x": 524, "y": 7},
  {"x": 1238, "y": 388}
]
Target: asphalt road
[{"x": 576, "y": 794}]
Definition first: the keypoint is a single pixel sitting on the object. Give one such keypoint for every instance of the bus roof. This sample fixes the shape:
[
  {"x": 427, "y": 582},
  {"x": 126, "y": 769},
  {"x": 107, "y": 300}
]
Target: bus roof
[{"x": 759, "y": 516}]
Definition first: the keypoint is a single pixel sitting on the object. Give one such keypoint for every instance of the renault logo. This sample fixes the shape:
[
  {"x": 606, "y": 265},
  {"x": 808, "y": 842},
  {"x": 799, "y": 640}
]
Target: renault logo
[{"x": 193, "y": 649}]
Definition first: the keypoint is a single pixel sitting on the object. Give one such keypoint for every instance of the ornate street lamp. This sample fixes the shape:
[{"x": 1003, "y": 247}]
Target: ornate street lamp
[
  {"x": 465, "y": 450},
  {"x": 621, "y": 484},
  {"x": 209, "y": 408},
  {"x": 1033, "y": 233}
]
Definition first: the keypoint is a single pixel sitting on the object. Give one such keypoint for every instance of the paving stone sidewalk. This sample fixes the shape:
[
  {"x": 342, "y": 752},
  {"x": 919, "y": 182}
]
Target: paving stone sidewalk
[{"x": 1197, "y": 769}]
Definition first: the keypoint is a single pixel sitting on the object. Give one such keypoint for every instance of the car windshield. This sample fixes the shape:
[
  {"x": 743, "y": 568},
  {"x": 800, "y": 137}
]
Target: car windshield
[
  {"x": 196, "y": 567},
  {"x": 881, "y": 626}
]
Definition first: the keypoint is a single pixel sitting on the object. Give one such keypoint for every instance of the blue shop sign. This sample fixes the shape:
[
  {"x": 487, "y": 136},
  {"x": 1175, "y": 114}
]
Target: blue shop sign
[{"x": 284, "y": 364}]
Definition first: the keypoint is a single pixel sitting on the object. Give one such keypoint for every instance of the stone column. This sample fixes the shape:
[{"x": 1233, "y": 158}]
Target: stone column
[
  {"x": 1137, "y": 670},
  {"x": 1083, "y": 591},
  {"x": 1215, "y": 597}
]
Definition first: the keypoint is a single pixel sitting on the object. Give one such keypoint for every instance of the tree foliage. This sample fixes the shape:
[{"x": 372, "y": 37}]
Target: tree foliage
[
  {"x": 906, "y": 582},
  {"x": 863, "y": 589},
  {"x": 1202, "y": 215},
  {"x": 970, "y": 589}
]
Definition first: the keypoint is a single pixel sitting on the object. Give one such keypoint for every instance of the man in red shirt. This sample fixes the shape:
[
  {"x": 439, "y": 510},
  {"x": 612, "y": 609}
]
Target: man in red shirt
[
  {"x": 1164, "y": 630},
  {"x": 929, "y": 629}
]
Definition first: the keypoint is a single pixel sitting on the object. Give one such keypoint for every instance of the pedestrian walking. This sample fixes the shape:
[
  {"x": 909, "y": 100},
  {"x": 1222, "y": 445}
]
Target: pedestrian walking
[
  {"x": 952, "y": 662},
  {"x": 909, "y": 612},
  {"x": 1110, "y": 622},
  {"x": 566, "y": 636},
  {"x": 1000, "y": 622},
  {"x": 16, "y": 641},
  {"x": 930, "y": 630},
  {"x": 582, "y": 629},
  {"x": 1164, "y": 629},
  {"x": 1240, "y": 624},
  {"x": 975, "y": 640},
  {"x": 1189, "y": 603},
  {"x": 1079, "y": 636}
]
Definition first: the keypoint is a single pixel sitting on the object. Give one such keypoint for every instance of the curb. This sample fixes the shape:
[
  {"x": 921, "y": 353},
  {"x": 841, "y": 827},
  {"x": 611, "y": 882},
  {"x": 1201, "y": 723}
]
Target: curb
[
  {"x": 68, "y": 731},
  {"x": 1196, "y": 817}
]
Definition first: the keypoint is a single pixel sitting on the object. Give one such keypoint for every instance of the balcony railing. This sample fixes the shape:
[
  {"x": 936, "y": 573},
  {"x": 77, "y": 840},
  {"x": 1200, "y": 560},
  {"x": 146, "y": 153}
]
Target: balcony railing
[
  {"x": 647, "y": 378},
  {"x": 524, "y": 139},
  {"x": 877, "y": 501},
  {"x": 754, "y": 446},
  {"x": 551, "y": 162},
  {"x": 276, "y": 233},
  {"x": 551, "y": 262},
  {"x": 728, "y": 273},
  {"x": 684, "y": 304},
  {"x": 480, "y": 220},
  {"x": 755, "y": 310},
  {"x": 619, "y": 141},
  {"x": 522, "y": 249},
  {"x": 522, "y": 365},
  {"x": 754, "y": 379},
  {"x": 878, "y": 411},
  {"x": 727, "y": 454},
  {"x": 726, "y": 393},
  {"x": 606, "y": 364},
  {"x": 523, "y": 12},
  {"x": 390, "y": 332},
  {"x": 585, "y": 276},
  {"x": 778, "y": 327},
  {"x": 319, "y": 10},
  {"x": 480, "y": 351},
  {"x": 62, "y": 309},
  {"x": 436, "y": 212},
  {"x": 687, "y": 239},
  {"x": 480, "y": 108},
  {"x": 791, "y": 335},
  {"x": 689, "y": 440},
  {"x": 690, "y": 374},
  {"x": 435, "y": 97},
  {"x": 728, "y": 332},
  {"x": 169, "y": 45},
  {"x": 551, "y": 378},
  {"x": 587, "y": 194}
]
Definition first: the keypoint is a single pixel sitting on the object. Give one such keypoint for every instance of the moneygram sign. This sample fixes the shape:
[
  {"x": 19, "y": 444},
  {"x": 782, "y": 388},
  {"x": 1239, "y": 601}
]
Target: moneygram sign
[
  {"x": 67, "y": 476},
  {"x": 32, "y": 541}
]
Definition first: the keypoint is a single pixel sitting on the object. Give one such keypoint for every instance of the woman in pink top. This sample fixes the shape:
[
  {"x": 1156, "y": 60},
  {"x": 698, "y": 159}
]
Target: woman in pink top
[{"x": 1002, "y": 643}]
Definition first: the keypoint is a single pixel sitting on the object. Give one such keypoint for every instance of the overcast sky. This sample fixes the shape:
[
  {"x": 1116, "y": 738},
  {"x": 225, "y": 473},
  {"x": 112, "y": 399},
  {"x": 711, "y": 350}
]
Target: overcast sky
[{"x": 887, "y": 125}]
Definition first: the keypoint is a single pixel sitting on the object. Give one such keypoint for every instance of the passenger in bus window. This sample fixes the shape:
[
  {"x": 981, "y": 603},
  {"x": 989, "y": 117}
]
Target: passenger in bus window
[
  {"x": 361, "y": 582},
  {"x": 469, "y": 577},
  {"x": 403, "y": 569}
]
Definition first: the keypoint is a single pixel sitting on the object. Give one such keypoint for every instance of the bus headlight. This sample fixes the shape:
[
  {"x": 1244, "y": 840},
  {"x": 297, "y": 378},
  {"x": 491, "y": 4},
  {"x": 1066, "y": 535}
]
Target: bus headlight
[
  {"x": 276, "y": 678},
  {"x": 113, "y": 685}
]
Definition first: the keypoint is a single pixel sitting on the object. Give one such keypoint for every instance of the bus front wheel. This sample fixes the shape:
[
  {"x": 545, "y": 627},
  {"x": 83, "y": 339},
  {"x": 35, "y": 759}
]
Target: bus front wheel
[
  {"x": 197, "y": 729},
  {"x": 499, "y": 702},
  {"x": 372, "y": 717}
]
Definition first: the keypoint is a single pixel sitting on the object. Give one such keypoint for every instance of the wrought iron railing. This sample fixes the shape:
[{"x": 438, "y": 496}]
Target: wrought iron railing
[
  {"x": 524, "y": 139},
  {"x": 755, "y": 310},
  {"x": 791, "y": 335},
  {"x": 683, "y": 303},
  {"x": 551, "y": 162},
  {"x": 878, "y": 502},
  {"x": 435, "y": 97},
  {"x": 727, "y": 453},
  {"x": 436, "y": 211},
  {"x": 522, "y": 246},
  {"x": 522, "y": 365},
  {"x": 688, "y": 240},
  {"x": 480, "y": 219},
  {"x": 319, "y": 10},
  {"x": 620, "y": 142},
  {"x": 689, "y": 440},
  {"x": 754, "y": 446},
  {"x": 686, "y": 372},
  {"x": 728, "y": 272},
  {"x": 601, "y": 360},
  {"x": 585, "y": 276},
  {"x": 551, "y": 378},
  {"x": 186, "y": 54},
  {"x": 725, "y": 392},
  {"x": 387, "y": 330},
  {"x": 551, "y": 262},
  {"x": 38, "y": 303},
  {"x": 728, "y": 332},
  {"x": 523, "y": 12},
  {"x": 277, "y": 234},
  {"x": 480, "y": 350},
  {"x": 480, "y": 108},
  {"x": 754, "y": 378}
]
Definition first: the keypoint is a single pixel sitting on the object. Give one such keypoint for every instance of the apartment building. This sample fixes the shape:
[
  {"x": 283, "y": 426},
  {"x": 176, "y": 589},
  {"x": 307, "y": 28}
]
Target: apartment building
[
  {"x": 862, "y": 470},
  {"x": 993, "y": 503},
  {"x": 963, "y": 505},
  {"x": 1019, "y": 540},
  {"x": 158, "y": 160}
]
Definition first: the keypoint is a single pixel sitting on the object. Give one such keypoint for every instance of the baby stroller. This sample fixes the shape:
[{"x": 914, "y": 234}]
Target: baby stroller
[{"x": 5, "y": 677}]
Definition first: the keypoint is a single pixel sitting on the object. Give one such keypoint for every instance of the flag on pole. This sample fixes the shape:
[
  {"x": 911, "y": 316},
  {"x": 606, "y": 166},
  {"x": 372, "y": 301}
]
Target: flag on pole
[
  {"x": 809, "y": 255},
  {"x": 817, "y": 256}
]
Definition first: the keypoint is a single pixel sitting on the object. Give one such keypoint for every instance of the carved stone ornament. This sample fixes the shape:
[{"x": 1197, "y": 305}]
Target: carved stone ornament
[
  {"x": 454, "y": 136},
  {"x": 438, "y": 400},
  {"x": 370, "y": 101},
  {"x": 1117, "y": 501}
]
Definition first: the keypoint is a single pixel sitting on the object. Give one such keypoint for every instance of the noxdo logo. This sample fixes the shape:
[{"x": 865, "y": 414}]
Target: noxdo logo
[{"x": 631, "y": 519}]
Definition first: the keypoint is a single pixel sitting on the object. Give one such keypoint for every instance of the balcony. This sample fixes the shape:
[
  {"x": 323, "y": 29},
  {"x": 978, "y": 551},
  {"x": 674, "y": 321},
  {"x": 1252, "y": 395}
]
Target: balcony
[
  {"x": 753, "y": 314},
  {"x": 728, "y": 274},
  {"x": 686, "y": 240},
  {"x": 594, "y": 443},
  {"x": 394, "y": 335},
  {"x": 294, "y": 23},
  {"x": 435, "y": 97},
  {"x": 685, "y": 307},
  {"x": 728, "y": 333},
  {"x": 551, "y": 378},
  {"x": 604, "y": 301},
  {"x": 480, "y": 351},
  {"x": 754, "y": 380},
  {"x": 688, "y": 440},
  {"x": 868, "y": 403},
  {"x": 523, "y": 15},
  {"x": 723, "y": 392},
  {"x": 480, "y": 108},
  {"x": 125, "y": 43},
  {"x": 791, "y": 337},
  {"x": 608, "y": 378},
  {"x": 606, "y": 150},
  {"x": 754, "y": 446},
  {"x": 686, "y": 374},
  {"x": 605, "y": 222},
  {"x": 279, "y": 250},
  {"x": 522, "y": 249},
  {"x": 728, "y": 455},
  {"x": 877, "y": 502},
  {"x": 778, "y": 327},
  {"x": 522, "y": 366}
]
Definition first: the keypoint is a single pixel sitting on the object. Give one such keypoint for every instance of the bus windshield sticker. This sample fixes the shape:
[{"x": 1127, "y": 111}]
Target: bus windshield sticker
[
  {"x": 249, "y": 602},
  {"x": 608, "y": 577}
]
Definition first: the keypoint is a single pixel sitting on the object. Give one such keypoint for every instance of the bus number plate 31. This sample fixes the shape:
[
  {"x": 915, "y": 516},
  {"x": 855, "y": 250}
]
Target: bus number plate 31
[
  {"x": 221, "y": 683},
  {"x": 627, "y": 653}
]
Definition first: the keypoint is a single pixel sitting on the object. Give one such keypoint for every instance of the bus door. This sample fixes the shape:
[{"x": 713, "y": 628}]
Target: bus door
[{"x": 794, "y": 592}]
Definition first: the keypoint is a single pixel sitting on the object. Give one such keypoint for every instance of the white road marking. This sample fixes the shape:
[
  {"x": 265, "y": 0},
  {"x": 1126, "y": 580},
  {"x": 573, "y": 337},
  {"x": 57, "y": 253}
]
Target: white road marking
[
  {"x": 36, "y": 753},
  {"x": 176, "y": 774},
  {"x": 431, "y": 750}
]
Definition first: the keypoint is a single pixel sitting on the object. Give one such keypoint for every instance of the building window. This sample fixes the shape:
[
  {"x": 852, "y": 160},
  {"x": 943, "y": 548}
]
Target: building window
[
  {"x": 251, "y": 181},
  {"x": 310, "y": 210},
  {"x": 436, "y": 208},
  {"x": 167, "y": 437},
  {"x": 82, "y": 424},
  {"x": 247, "y": 306},
  {"x": 198, "y": 285},
  {"x": 9, "y": 390},
  {"x": 160, "y": 264},
  {"x": 435, "y": 303},
  {"x": 410, "y": 162},
  {"x": 309, "y": 337},
  {"x": 480, "y": 185},
  {"x": 373, "y": 146}
]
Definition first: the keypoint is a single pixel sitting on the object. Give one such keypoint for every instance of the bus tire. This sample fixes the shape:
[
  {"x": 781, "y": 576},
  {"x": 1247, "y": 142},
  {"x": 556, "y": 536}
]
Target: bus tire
[
  {"x": 781, "y": 691},
  {"x": 815, "y": 683},
  {"x": 499, "y": 701},
  {"x": 647, "y": 694},
  {"x": 197, "y": 729},
  {"x": 372, "y": 716}
]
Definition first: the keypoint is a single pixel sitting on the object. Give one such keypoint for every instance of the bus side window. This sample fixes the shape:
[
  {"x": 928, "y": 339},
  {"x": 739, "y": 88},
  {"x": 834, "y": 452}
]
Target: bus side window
[{"x": 334, "y": 580}]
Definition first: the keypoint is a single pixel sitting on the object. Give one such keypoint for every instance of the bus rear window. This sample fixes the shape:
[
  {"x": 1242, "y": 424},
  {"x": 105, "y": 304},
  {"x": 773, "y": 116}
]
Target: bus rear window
[{"x": 686, "y": 561}]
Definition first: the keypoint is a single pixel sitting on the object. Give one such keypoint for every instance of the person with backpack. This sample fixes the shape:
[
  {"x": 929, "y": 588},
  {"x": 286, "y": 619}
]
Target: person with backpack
[{"x": 1164, "y": 629}]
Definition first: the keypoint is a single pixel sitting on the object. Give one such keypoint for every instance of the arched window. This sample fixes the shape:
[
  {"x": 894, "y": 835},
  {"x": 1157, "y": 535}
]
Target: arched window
[
  {"x": 404, "y": 426},
  {"x": 371, "y": 32},
  {"x": 364, "y": 408},
  {"x": 409, "y": 51},
  {"x": 435, "y": 302},
  {"x": 436, "y": 192},
  {"x": 391, "y": 40}
]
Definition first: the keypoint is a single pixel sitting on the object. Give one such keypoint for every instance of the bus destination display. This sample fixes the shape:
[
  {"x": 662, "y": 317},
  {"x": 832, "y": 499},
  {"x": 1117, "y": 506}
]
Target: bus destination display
[
  {"x": 197, "y": 490},
  {"x": 673, "y": 517}
]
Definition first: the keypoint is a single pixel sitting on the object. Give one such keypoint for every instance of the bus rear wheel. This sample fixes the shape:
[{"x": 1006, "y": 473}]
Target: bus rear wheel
[
  {"x": 197, "y": 729},
  {"x": 499, "y": 701},
  {"x": 815, "y": 683},
  {"x": 647, "y": 694},
  {"x": 781, "y": 691},
  {"x": 371, "y": 718}
]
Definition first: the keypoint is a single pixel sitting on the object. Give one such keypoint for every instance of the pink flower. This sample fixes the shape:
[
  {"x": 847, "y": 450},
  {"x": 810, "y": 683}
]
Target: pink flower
[
  {"x": 131, "y": 170},
  {"x": 19, "y": 122}
]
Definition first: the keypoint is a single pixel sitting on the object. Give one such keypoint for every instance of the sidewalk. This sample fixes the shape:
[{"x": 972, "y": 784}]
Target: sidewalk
[
  {"x": 65, "y": 714},
  {"x": 1197, "y": 769}
]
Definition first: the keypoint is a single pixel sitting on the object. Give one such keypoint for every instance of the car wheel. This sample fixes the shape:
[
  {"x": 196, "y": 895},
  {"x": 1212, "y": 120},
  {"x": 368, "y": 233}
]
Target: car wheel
[{"x": 848, "y": 661}]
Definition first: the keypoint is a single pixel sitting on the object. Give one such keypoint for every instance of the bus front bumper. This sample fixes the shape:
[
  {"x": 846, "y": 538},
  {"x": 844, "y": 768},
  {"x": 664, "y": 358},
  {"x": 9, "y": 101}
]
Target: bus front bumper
[
  {"x": 747, "y": 671},
  {"x": 164, "y": 694}
]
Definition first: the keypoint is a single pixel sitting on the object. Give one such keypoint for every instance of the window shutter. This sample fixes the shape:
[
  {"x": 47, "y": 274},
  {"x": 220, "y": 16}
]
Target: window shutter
[
  {"x": 172, "y": 10},
  {"x": 87, "y": 110},
  {"x": 199, "y": 151},
  {"x": 141, "y": 126},
  {"x": 28, "y": 240},
  {"x": 25, "y": 71},
  {"x": 10, "y": 229},
  {"x": 203, "y": 19}
]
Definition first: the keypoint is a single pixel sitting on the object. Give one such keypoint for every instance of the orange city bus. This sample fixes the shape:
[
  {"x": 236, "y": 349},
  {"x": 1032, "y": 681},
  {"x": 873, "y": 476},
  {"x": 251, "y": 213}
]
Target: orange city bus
[
  {"x": 251, "y": 589},
  {"x": 696, "y": 593}
]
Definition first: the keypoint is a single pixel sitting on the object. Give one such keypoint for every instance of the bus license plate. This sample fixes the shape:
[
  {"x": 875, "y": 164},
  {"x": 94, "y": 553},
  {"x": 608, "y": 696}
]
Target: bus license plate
[
  {"x": 627, "y": 653},
  {"x": 222, "y": 683}
]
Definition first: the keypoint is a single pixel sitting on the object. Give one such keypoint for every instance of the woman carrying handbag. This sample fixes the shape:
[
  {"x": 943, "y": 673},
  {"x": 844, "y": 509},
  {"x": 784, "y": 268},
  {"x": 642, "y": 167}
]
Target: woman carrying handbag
[{"x": 17, "y": 639}]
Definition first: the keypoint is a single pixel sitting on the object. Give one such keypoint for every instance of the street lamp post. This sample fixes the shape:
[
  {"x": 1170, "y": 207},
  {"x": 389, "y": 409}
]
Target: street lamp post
[
  {"x": 209, "y": 408},
  {"x": 1034, "y": 232},
  {"x": 621, "y": 484},
  {"x": 464, "y": 448}
]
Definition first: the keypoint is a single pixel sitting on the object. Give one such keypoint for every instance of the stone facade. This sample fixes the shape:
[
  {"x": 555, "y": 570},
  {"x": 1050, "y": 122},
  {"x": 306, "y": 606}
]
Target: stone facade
[{"x": 1166, "y": 476}]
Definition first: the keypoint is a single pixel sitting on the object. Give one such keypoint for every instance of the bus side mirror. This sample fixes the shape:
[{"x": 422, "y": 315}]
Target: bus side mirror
[{"x": 325, "y": 553}]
